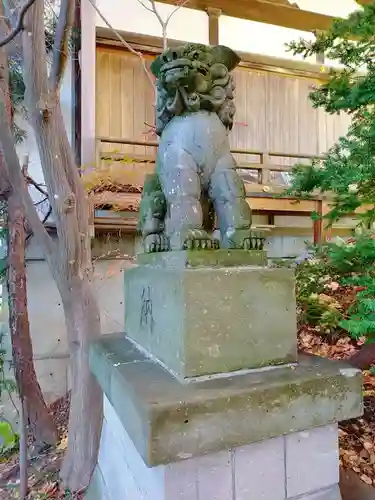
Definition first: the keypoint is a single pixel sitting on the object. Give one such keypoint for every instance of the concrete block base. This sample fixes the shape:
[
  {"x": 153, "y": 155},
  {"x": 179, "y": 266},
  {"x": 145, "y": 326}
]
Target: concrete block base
[{"x": 298, "y": 466}]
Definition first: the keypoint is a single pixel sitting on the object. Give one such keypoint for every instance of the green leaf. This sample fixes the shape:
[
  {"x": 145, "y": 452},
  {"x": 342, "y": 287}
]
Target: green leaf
[{"x": 8, "y": 438}]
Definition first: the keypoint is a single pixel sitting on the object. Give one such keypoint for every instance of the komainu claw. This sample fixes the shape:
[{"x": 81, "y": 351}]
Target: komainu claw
[{"x": 156, "y": 243}]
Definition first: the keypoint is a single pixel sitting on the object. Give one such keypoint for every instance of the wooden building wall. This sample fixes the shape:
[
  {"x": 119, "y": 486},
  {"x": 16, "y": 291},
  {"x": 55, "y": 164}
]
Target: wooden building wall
[
  {"x": 273, "y": 110},
  {"x": 274, "y": 115}
]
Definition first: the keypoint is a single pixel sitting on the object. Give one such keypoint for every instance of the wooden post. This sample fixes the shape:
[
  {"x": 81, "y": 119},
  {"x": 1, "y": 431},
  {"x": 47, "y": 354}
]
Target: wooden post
[
  {"x": 87, "y": 60},
  {"x": 91, "y": 214},
  {"x": 213, "y": 25},
  {"x": 320, "y": 57},
  {"x": 76, "y": 86},
  {"x": 266, "y": 173},
  {"x": 318, "y": 224},
  {"x": 98, "y": 155},
  {"x": 327, "y": 232},
  {"x": 321, "y": 235}
]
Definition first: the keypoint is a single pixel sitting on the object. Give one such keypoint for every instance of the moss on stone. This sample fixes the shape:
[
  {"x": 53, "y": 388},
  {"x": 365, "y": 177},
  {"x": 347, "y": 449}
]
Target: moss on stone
[
  {"x": 204, "y": 258},
  {"x": 169, "y": 420}
]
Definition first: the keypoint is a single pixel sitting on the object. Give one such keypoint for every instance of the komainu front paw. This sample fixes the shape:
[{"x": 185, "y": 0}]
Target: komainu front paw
[
  {"x": 255, "y": 241},
  {"x": 153, "y": 243},
  {"x": 244, "y": 239},
  {"x": 198, "y": 239}
]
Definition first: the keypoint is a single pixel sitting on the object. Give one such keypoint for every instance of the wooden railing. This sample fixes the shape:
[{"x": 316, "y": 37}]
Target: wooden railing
[
  {"x": 264, "y": 166},
  {"x": 262, "y": 175}
]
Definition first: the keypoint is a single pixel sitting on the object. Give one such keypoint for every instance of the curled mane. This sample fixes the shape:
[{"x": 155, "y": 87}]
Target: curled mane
[{"x": 193, "y": 78}]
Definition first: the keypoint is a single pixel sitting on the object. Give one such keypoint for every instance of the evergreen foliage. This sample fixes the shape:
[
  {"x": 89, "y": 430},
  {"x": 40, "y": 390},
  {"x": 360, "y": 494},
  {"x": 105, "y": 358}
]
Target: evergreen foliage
[
  {"x": 355, "y": 264},
  {"x": 348, "y": 170}
]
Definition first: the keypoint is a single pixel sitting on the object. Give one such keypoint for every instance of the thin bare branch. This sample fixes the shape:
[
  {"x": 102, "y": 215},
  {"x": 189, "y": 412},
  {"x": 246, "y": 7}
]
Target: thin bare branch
[
  {"x": 178, "y": 7},
  {"x": 60, "y": 47},
  {"x": 164, "y": 24},
  {"x": 126, "y": 44},
  {"x": 156, "y": 12},
  {"x": 18, "y": 183},
  {"x": 150, "y": 9},
  {"x": 45, "y": 219},
  {"x": 37, "y": 186},
  {"x": 19, "y": 24}
]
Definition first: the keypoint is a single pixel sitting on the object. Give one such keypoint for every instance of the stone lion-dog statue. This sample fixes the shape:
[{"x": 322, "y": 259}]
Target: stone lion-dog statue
[{"x": 195, "y": 175}]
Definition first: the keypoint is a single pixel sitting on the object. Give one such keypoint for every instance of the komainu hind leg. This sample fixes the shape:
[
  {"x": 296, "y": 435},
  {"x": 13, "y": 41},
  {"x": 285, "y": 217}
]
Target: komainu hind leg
[
  {"x": 152, "y": 210},
  {"x": 208, "y": 210},
  {"x": 227, "y": 191}
]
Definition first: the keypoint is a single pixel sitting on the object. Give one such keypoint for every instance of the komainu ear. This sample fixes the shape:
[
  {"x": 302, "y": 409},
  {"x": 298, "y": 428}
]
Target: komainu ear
[{"x": 226, "y": 56}]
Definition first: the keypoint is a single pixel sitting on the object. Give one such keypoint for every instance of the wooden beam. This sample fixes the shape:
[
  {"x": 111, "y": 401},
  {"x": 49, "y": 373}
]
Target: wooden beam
[
  {"x": 213, "y": 25},
  {"x": 264, "y": 11}
]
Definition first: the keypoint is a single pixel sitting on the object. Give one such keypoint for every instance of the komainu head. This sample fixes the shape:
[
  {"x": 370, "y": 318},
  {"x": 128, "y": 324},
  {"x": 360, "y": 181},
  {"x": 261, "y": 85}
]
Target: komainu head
[{"x": 194, "y": 77}]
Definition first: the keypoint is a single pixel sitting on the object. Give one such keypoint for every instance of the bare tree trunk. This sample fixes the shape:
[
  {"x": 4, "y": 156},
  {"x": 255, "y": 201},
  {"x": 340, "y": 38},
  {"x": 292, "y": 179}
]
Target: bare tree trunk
[
  {"x": 70, "y": 261},
  {"x": 83, "y": 323},
  {"x": 73, "y": 273},
  {"x": 69, "y": 258},
  {"x": 40, "y": 421}
]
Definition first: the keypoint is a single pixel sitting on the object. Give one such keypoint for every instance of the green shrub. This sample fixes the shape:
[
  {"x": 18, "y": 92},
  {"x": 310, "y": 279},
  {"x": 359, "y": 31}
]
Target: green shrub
[{"x": 350, "y": 265}]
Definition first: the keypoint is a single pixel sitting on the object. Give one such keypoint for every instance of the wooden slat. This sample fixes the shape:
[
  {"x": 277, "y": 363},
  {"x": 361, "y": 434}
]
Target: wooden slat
[
  {"x": 129, "y": 157},
  {"x": 282, "y": 205},
  {"x": 274, "y": 118},
  {"x": 125, "y": 140},
  {"x": 248, "y": 151},
  {"x": 263, "y": 204}
]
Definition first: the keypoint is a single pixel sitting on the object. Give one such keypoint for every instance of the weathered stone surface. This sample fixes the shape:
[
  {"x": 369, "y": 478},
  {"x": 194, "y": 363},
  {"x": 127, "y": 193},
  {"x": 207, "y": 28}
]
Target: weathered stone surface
[
  {"x": 236, "y": 474},
  {"x": 204, "y": 258},
  {"x": 207, "y": 320},
  {"x": 256, "y": 462},
  {"x": 170, "y": 421},
  {"x": 312, "y": 460}
]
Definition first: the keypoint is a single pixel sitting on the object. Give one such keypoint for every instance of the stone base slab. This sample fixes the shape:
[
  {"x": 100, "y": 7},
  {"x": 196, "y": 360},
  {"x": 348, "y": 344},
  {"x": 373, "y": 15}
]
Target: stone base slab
[
  {"x": 299, "y": 466},
  {"x": 206, "y": 320},
  {"x": 182, "y": 259},
  {"x": 169, "y": 421}
]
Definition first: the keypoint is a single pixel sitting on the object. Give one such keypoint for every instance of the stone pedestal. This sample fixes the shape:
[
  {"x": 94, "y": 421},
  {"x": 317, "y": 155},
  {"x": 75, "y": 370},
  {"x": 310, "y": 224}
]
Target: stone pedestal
[
  {"x": 200, "y": 319},
  {"x": 206, "y": 399}
]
